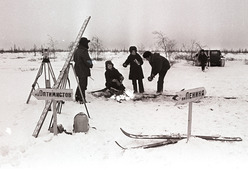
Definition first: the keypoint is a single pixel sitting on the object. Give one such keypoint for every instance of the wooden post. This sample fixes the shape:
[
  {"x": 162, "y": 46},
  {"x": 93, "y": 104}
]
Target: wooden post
[
  {"x": 55, "y": 129},
  {"x": 189, "y": 121},
  {"x": 189, "y": 96}
]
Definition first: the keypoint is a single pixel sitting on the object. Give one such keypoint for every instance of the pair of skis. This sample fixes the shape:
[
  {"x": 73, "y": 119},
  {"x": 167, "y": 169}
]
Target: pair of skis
[
  {"x": 147, "y": 146},
  {"x": 172, "y": 139}
]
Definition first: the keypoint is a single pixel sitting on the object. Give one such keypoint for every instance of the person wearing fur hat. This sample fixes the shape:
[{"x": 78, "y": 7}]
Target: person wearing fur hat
[
  {"x": 83, "y": 64},
  {"x": 202, "y": 57},
  {"x": 136, "y": 73},
  {"x": 113, "y": 77},
  {"x": 160, "y": 65}
]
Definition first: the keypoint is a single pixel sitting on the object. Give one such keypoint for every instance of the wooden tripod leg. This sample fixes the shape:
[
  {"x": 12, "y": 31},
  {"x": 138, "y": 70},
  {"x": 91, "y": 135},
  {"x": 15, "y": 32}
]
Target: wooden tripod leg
[
  {"x": 50, "y": 124},
  {"x": 35, "y": 81},
  {"x": 80, "y": 90},
  {"x": 50, "y": 69}
]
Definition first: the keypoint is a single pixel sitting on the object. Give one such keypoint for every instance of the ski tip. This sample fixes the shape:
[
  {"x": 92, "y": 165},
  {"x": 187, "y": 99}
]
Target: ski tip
[
  {"x": 123, "y": 131},
  {"x": 120, "y": 146}
]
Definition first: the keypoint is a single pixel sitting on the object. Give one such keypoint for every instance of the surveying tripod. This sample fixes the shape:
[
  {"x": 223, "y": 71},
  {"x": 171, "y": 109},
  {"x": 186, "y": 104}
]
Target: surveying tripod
[
  {"x": 60, "y": 82},
  {"x": 48, "y": 71}
]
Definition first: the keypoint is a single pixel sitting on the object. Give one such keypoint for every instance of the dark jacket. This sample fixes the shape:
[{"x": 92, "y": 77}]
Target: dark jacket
[
  {"x": 135, "y": 62},
  {"x": 83, "y": 62},
  {"x": 159, "y": 64},
  {"x": 203, "y": 58},
  {"x": 113, "y": 74}
]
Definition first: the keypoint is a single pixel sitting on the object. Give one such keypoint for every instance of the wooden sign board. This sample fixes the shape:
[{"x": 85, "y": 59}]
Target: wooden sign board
[
  {"x": 53, "y": 94},
  {"x": 190, "y": 95}
]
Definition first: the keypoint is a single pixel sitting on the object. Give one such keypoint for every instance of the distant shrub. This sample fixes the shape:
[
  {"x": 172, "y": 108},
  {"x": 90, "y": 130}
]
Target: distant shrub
[
  {"x": 28, "y": 69},
  {"x": 172, "y": 62},
  {"x": 183, "y": 57},
  {"x": 230, "y": 59},
  {"x": 19, "y": 57},
  {"x": 99, "y": 59},
  {"x": 32, "y": 59}
]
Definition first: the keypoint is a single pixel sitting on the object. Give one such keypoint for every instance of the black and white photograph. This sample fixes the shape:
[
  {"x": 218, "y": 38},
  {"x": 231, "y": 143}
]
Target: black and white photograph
[{"x": 124, "y": 84}]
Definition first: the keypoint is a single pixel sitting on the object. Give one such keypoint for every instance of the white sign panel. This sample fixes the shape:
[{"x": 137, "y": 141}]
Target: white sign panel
[
  {"x": 53, "y": 94},
  {"x": 190, "y": 95}
]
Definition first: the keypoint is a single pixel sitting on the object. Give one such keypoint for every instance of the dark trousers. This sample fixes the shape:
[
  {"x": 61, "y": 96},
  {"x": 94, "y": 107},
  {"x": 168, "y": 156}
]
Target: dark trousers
[
  {"x": 141, "y": 86},
  {"x": 203, "y": 65},
  {"x": 160, "y": 83},
  {"x": 83, "y": 82}
]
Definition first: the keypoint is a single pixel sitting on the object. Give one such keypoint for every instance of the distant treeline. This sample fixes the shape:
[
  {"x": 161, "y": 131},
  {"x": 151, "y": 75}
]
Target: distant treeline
[
  {"x": 18, "y": 50},
  {"x": 28, "y": 51}
]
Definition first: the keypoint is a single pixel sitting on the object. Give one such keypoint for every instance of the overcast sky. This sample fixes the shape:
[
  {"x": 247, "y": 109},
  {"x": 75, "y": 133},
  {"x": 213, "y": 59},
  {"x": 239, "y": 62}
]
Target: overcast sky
[{"x": 121, "y": 23}]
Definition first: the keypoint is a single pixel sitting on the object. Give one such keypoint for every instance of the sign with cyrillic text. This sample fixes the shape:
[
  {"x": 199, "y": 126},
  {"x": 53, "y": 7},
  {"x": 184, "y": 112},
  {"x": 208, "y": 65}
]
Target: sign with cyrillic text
[
  {"x": 53, "y": 94},
  {"x": 190, "y": 95}
]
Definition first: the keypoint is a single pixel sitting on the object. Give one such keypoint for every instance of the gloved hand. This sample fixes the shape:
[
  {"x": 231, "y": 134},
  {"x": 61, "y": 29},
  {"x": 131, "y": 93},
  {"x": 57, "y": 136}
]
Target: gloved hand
[
  {"x": 116, "y": 81},
  {"x": 150, "y": 78}
]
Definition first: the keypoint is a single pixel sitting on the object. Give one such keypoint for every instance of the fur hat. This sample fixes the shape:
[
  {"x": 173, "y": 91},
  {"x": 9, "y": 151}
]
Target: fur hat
[
  {"x": 108, "y": 62},
  {"x": 132, "y": 48},
  {"x": 147, "y": 54},
  {"x": 84, "y": 42}
]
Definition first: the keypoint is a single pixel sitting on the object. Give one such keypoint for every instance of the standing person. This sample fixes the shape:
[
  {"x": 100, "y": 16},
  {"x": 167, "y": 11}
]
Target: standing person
[
  {"x": 203, "y": 59},
  {"x": 113, "y": 78},
  {"x": 136, "y": 72},
  {"x": 83, "y": 63},
  {"x": 160, "y": 65}
]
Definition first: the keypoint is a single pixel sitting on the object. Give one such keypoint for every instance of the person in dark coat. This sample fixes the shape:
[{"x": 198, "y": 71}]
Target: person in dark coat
[
  {"x": 113, "y": 77},
  {"x": 202, "y": 57},
  {"x": 83, "y": 64},
  {"x": 160, "y": 65},
  {"x": 136, "y": 72}
]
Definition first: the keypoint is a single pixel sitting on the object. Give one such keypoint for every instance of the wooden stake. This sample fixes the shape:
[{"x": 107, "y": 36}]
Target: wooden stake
[
  {"x": 55, "y": 129},
  {"x": 189, "y": 121}
]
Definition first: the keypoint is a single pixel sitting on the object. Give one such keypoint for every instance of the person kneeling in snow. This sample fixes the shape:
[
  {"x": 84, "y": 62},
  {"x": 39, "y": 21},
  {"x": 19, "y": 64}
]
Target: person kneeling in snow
[{"x": 113, "y": 79}]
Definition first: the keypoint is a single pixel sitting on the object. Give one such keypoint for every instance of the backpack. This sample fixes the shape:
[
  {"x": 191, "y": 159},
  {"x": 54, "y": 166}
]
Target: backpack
[{"x": 81, "y": 123}]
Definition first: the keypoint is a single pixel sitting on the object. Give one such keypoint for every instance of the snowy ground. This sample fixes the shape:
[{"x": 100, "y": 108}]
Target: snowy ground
[{"x": 97, "y": 149}]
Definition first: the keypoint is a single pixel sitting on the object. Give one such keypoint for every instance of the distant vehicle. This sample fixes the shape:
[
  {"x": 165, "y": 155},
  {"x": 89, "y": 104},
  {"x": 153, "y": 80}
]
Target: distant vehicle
[{"x": 214, "y": 58}]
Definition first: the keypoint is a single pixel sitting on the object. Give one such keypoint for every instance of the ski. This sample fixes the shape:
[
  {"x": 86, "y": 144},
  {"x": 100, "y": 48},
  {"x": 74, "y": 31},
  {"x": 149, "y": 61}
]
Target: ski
[
  {"x": 150, "y": 145},
  {"x": 107, "y": 93},
  {"x": 179, "y": 137},
  {"x": 101, "y": 90},
  {"x": 147, "y": 96}
]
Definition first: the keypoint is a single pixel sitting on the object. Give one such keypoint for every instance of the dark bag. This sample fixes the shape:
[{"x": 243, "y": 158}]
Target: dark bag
[{"x": 81, "y": 123}]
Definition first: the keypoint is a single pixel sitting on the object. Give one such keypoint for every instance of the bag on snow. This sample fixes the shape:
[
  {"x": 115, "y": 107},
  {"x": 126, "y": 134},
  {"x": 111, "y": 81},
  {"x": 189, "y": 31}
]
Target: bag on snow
[{"x": 81, "y": 123}]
